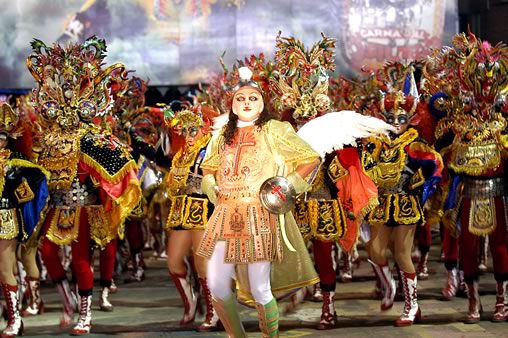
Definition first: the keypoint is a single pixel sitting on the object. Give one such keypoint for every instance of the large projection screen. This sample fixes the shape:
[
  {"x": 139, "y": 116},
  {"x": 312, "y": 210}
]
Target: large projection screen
[{"x": 177, "y": 42}]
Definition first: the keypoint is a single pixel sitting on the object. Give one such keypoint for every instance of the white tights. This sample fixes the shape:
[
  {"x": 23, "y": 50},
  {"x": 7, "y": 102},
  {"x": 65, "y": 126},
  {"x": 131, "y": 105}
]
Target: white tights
[{"x": 220, "y": 275}]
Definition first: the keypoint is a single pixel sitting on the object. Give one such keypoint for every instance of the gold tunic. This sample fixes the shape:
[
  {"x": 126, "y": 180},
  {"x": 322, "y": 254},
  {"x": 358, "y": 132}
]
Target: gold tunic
[
  {"x": 251, "y": 233},
  {"x": 188, "y": 205}
]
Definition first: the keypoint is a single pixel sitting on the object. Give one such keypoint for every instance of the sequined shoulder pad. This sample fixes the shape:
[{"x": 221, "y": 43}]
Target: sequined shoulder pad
[{"x": 110, "y": 156}]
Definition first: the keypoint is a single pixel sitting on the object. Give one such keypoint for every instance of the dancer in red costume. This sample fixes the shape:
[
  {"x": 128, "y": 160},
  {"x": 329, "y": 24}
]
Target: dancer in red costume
[
  {"x": 468, "y": 84},
  {"x": 318, "y": 212},
  {"x": 93, "y": 181}
]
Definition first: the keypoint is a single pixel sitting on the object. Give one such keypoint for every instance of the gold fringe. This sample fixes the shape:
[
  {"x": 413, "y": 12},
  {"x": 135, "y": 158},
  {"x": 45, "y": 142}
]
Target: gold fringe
[
  {"x": 123, "y": 206},
  {"x": 17, "y": 162},
  {"x": 371, "y": 205},
  {"x": 117, "y": 177}
]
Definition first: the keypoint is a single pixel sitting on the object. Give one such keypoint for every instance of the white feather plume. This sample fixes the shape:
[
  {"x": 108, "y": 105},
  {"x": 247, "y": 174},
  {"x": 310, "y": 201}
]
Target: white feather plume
[
  {"x": 244, "y": 73},
  {"x": 333, "y": 131}
]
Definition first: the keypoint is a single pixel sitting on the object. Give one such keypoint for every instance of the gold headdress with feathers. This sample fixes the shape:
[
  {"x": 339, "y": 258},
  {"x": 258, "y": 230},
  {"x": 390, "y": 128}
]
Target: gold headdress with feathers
[{"x": 301, "y": 81}]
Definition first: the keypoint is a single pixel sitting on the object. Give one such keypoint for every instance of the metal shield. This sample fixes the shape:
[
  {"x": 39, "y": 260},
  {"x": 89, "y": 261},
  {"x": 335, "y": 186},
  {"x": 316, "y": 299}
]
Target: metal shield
[{"x": 277, "y": 195}]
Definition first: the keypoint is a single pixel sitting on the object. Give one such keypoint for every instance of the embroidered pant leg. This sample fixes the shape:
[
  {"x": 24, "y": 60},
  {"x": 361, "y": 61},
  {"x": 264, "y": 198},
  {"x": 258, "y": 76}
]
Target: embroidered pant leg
[
  {"x": 50, "y": 255},
  {"x": 497, "y": 243},
  {"x": 107, "y": 263},
  {"x": 324, "y": 262},
  {"x": 469, "y": 246},
  {"x": 135, "y": 236},
  {"x": 450, "y": 249},
  {"x": 81, "y": 257}
]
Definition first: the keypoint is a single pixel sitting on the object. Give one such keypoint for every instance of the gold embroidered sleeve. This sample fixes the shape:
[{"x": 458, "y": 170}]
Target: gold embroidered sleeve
[
  {"x": 291, "y": 149},
  {"x": 211, "y": 160}
]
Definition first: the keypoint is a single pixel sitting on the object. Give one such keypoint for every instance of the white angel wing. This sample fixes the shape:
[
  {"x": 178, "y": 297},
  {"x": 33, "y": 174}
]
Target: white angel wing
[
  {"x": 219, "y": 122},
  {"x": 333, "y": 131}
]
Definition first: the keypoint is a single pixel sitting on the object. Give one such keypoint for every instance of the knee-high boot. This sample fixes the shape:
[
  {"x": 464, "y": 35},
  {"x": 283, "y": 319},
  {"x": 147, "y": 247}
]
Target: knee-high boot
[
  {"x": 14, "y": 322},
  {"x": 228, "y": 313},
  {"x": 452, "y": 284},
  {"x": 190, "y": 301},
  {"x": 385, "y": 276},
  {"x": 85, "y": 317},
  {"x": 423, "y": 270},
  {"x": 211, "y": 322},
  {"x": 411, "y": 311},
  {"x": 268, "y": 315}
]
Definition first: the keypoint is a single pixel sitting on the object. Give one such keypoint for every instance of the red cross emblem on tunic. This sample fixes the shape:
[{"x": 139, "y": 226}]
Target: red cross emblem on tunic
[{"x": 244, "y": 139}]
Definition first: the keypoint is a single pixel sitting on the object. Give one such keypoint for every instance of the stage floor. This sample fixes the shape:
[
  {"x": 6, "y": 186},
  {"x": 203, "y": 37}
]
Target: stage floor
[{"x": 153, "y": 309}]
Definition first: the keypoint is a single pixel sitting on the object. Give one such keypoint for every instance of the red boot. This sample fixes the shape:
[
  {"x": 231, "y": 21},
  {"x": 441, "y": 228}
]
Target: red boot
[
  {"x": 328, "y": 315},
  {"x": 190, "y": 301},
  {"x": 14, "y": 323},
  {"x": 212, "y": 322},
  {"x": 411, "y": 311}
]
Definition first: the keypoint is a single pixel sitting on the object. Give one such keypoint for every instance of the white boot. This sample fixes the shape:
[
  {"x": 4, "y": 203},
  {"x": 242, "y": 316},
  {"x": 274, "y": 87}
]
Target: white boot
[
  {"x": 475, "y": 305},
  {"x": 14, "y": 322},
  {"x": 211, "y": 322},
  {"x": 385, "y": 276},
  {"x": 104, "y": 303},
  {"x": 411, "y": 311},
  {"x": 85, "y": 317}
]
